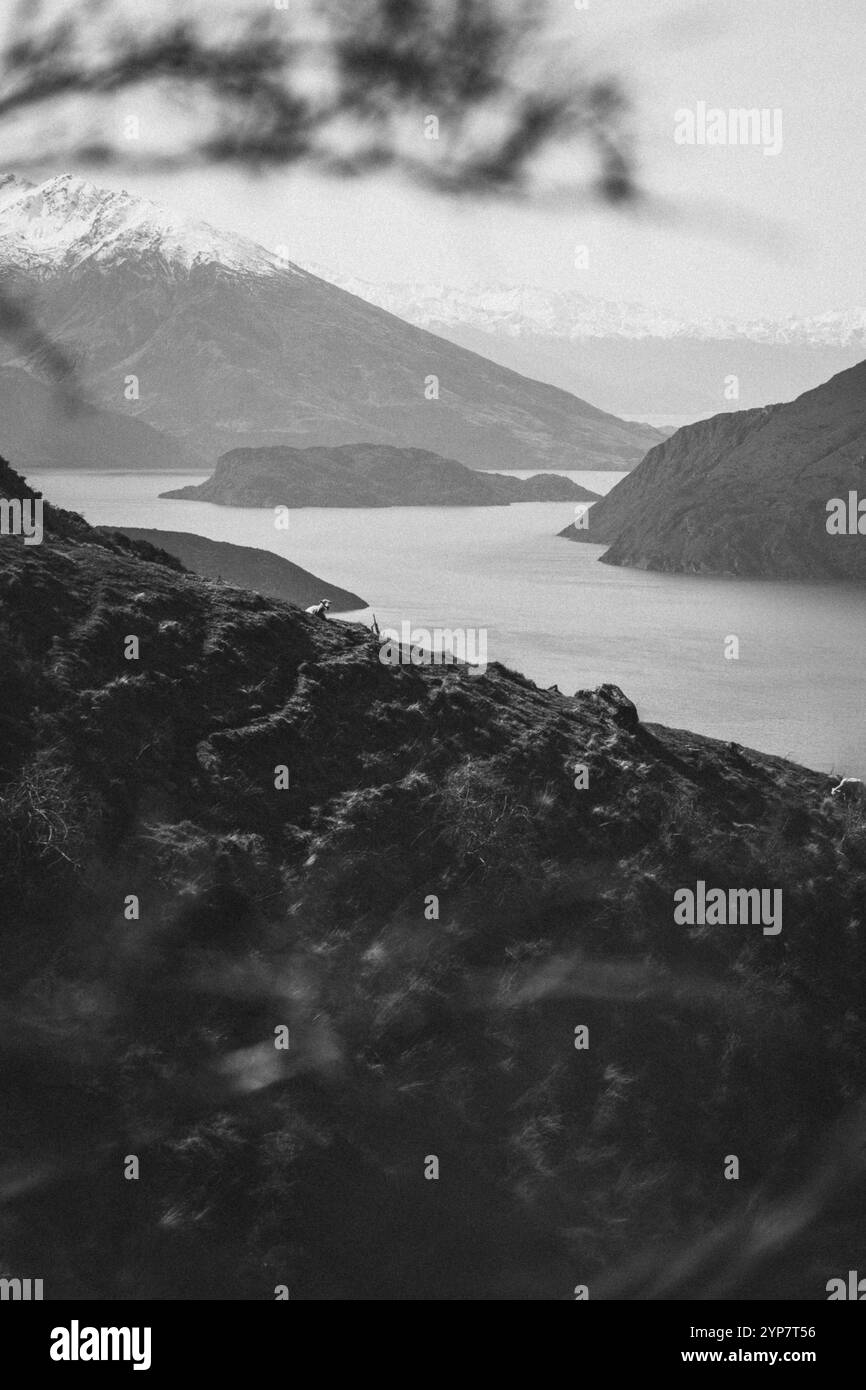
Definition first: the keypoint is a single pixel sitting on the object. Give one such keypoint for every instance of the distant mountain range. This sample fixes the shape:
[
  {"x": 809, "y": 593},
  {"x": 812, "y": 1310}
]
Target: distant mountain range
[
  {"x": 526, "y": 309},
  {"x": 367, "y": 475},
  {"x": 748, "y": 493},
  {"x": 629, "y": 358},
  {"x": 220, "y": 343}
]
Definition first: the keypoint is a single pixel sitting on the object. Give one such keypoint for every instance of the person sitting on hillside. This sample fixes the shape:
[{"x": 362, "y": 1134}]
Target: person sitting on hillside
[{"x": 320, "y": 610}]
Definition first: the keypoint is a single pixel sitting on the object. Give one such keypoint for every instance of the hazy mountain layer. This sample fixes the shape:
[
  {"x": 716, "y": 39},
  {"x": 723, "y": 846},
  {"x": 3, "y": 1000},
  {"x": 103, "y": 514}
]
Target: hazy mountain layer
[
  {"x": 664, "y": 376},
  {"x": 629, "y": 357},
  {"x": 42, "y": 428}
]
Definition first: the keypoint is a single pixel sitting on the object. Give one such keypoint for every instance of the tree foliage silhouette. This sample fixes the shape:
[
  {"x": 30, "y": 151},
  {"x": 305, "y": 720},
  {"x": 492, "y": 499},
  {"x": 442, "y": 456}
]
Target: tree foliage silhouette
[{"x": 342, "y": 86}]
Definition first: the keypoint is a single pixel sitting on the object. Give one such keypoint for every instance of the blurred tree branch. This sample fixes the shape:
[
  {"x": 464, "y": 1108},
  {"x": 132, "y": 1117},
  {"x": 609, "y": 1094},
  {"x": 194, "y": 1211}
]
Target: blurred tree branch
[{"x": 343, "y": 86}]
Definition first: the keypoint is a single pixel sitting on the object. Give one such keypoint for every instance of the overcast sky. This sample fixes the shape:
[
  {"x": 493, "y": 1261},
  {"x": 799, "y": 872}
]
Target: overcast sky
[{"x": 752, "y": 234}]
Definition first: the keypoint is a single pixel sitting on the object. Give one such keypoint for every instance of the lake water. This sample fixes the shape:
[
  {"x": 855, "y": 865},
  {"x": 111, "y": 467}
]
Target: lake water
[{"x": 553, "y": 612}]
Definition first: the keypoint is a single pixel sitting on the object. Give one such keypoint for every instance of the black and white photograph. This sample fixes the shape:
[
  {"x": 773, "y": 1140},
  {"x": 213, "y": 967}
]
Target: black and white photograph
[{"x": 432, "y": 663}]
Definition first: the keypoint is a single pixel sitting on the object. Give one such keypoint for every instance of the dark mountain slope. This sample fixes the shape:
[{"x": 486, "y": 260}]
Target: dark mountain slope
[
  {"x": 366, "y": 475},
  {"x": 746, "y": 493},
  {"x": 243, "y": 565},
  {"x": 411, "y": 1033},
  {"x": 39, "y": 430}
]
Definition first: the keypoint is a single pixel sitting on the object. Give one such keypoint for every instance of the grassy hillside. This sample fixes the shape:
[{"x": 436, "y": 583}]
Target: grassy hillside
[{"x": 410, "y": 1036}]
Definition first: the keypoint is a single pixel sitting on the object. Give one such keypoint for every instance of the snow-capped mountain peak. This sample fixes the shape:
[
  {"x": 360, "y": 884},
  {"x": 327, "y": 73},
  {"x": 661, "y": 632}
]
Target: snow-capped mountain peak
[
  {"x": 240, "y": 348},
  {"x": 68, "y": 222}
]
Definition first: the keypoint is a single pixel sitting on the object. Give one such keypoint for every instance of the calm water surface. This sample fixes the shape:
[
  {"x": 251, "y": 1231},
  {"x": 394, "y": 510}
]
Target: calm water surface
[{"x": 552, "y": 611}]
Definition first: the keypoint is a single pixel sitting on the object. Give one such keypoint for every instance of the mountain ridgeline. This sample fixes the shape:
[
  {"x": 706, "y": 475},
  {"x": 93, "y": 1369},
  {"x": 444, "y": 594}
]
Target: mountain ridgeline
[
  {"x": 748, "y": 493},
  {"x": 367, "y": 475},
  {"x": 247, "y": 567},
  {"x": 221, "y": 343},
  {"x": 473, "y": 951}
]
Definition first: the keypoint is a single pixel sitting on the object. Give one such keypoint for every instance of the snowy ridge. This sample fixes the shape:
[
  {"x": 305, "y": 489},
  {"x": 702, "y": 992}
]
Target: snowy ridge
[
  {"x": 532, "y": 311},
  {"x": 67, "y": 222}
]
